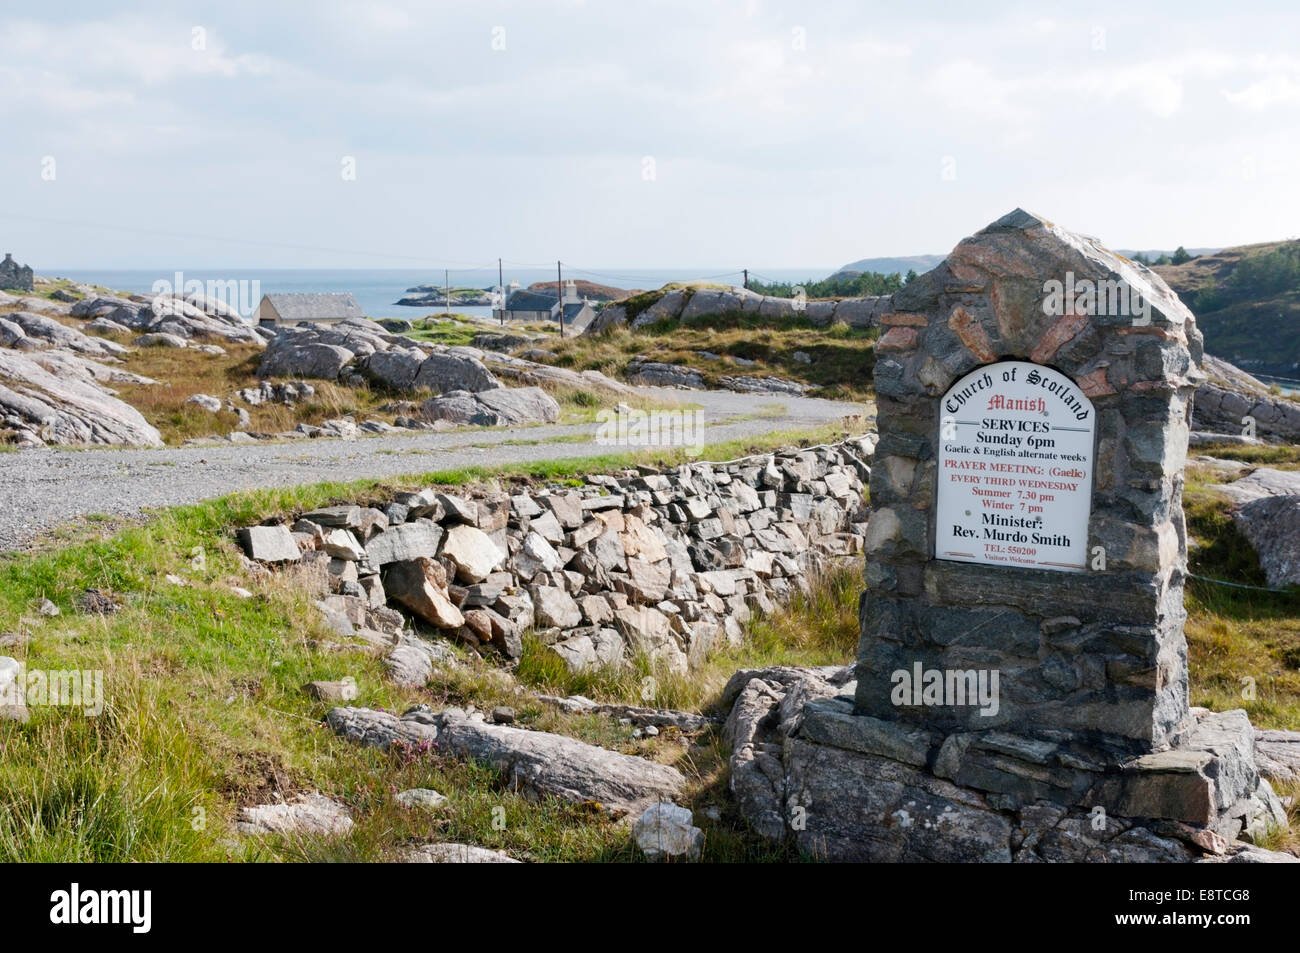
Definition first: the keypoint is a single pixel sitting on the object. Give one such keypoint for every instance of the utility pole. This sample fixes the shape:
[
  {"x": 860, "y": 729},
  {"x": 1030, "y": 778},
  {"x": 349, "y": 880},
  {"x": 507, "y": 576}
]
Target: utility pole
[
  {"x": 501, "y": 286},
  {"x": 446, "y": 295},
  {"x": 559, "y": 295},
  {"x": 746, "y": 285}
]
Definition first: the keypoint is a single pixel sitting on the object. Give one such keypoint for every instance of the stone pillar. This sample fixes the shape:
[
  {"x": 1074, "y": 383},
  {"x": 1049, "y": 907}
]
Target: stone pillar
[
  {"x": 1021, "y": 683},
  {"x": 1077, "y": 603}
]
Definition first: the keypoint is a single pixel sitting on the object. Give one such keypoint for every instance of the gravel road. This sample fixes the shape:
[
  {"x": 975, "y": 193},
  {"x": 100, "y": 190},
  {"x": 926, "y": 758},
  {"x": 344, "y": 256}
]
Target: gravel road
[{"x": 46, "y": 488}]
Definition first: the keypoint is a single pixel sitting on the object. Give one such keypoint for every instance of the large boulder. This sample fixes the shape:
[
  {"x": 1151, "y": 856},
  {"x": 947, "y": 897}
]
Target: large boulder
[
  {"x": 611, "y": 316},
  {"x": 520, "y": 405},
  {"x": 395, "y": 368},
  {"x": 441, "y": 373},
  {"x": 286, "y": 358},
  {"x": 1272, "y": 524},
  {"x": 67, "y": 411},
  {"x": 495, "y": 407},
  {"x": 667, "y": 307}
]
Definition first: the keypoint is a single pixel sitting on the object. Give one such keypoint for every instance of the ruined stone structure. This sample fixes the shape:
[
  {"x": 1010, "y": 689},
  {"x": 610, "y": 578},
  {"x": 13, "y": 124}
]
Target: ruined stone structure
[
  {"x": 15, "y": 277},
  {"x": 1021, "y": 689}
]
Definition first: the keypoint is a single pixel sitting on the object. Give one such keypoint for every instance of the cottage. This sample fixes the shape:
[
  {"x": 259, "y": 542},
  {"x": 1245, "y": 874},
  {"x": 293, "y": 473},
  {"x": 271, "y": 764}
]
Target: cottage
[
  {"x": 15, "y": 277},
  {"x": 283, "y": 310},
  {"x": 542, "y": 306}
]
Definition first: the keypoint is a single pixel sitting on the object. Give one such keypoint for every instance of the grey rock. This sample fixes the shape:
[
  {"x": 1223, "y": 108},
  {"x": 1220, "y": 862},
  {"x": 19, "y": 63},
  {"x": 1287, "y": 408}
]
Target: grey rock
[
  {"x": 542, "y": 763},
  {"x": 423, "y": 799},
  {"x": 1272, "y": 525},
  {"x": 448, "y": 853},
  {"x": 68, "y": 411},
  {"x": 451, "y": 372},
  {"x": 269, "y": 544},
  {"x": 664, "y": 832},
  {"x": 309, "y": 814},
  {"x": 404, "y": 542}
]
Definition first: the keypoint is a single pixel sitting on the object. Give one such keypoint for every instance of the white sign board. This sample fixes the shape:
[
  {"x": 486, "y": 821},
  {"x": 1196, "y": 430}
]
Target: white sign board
[{"x": 1015, "y": 469}]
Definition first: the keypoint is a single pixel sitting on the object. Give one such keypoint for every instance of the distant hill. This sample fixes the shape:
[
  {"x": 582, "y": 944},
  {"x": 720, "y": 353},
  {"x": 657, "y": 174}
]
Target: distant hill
[
  {"x": 586, "y": 289},
  {"x": 1247, "y": 304},
  {"x": 890, "y": 266},
  {"x": 1155, "y": 254},
  {"x": 923, "y": 263}
]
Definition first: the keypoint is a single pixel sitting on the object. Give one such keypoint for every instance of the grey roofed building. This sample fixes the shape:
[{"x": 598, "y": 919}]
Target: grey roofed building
[
  {"x": 287, "y": 309},
  {"x": 578, "y": 314},
  {"x": 15, "y": 277},
  {"x": 542, "y": 306},
  {"x": 531, "y": 301}
]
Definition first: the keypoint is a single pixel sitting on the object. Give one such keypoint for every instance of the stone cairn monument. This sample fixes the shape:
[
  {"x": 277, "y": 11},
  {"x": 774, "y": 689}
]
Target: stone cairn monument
[{"x": 1021, "y": 685}]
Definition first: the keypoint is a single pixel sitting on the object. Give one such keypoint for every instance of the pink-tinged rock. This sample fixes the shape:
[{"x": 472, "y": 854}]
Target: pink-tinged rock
[
  {"x": 421, "y": 586},
  {"x": 1065, "y": 329},
  {"x": 972, "y": 334},
  {"x": 897, "y": 339}
]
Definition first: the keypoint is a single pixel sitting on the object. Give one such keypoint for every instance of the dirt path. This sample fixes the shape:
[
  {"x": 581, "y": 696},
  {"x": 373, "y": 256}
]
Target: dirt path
[{"x": 43, "y": 489}]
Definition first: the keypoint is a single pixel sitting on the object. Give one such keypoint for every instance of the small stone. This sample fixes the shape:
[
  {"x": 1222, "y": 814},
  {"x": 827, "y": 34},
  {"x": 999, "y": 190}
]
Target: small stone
[
  {"x": 424, "y": 799},
  {"x": 503, "y": 715},
  {"x": 664, "y": 832},
  {"x": 341, "y": 691},
  {"x": 47, "y": 608}
]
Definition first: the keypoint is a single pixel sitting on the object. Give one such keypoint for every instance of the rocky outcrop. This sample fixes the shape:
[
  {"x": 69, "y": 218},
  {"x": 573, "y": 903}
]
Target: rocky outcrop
[
  {"x": 659, "y": 374},
  {"x": 687, "y": 304},
  {"x": 42, "y": 331},
  {"x": 1230, "y": 397},
  {"x": 468, "y": 393},
  {"x": 1272, "y": 525},
  {"x": 854, "y": 788},
  {"x": 1267, "y": 513},
  {"x": 491, "y": 408},
  {"x": 187, "y": 317},
  {"x": 40, "y": 407},
  {"x": 666, "y": 565},
  {"x": 521, "y": 371}
]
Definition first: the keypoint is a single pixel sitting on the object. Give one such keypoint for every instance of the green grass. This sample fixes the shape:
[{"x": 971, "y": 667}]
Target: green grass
[
  {"x": 204, "y": 710},
  {"x": 205, "y": 714},
  {"x": 840, "y": 366},
  {"x": 1282, "y": 456},
  {"x": 1235, "y": 634},
  {"x": 452, "y": 331}
]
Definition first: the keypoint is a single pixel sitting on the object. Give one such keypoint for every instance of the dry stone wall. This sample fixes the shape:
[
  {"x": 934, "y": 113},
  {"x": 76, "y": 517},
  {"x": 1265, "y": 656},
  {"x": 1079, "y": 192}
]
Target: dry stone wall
[{"x": 665, "y": 564}]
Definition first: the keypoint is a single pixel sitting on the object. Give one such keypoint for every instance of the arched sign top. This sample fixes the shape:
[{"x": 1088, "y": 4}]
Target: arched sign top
[{"x": 1016, "y": 448}]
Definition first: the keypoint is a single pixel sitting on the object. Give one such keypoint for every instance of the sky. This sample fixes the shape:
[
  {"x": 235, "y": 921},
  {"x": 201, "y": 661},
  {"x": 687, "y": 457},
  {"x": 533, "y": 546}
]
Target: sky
[{"x": 744, "y": 133}]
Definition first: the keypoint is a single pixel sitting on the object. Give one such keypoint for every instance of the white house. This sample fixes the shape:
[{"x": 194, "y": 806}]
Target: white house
[{"x": 542, "y": 306}]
